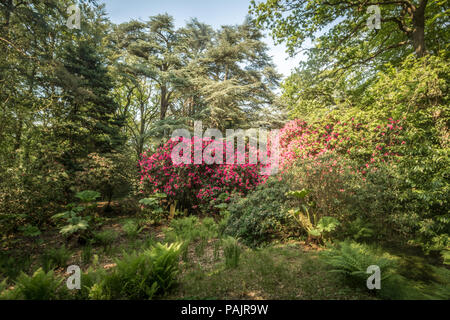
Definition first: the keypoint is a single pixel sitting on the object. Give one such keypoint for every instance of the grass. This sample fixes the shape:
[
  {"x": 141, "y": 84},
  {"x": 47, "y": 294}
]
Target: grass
[
  {"x": 276, "y": 272},
  {"x": 86, "y": 254},
  {"x": 55, "y": 258},
  {"x": 106, "y": 239},
  {"x": 215, "y": 268},
  {"x": 232, "y": 252}
]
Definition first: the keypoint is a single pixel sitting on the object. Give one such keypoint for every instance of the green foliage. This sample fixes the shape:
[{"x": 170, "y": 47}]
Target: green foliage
[
  {"x": 86, "y": 254},
  {"x": 402, "y": 277},
  {"x": 90, "y": 281},
  {"x": 305, "y": 220},
  {"x": 260, "y": 216},
  {"x": 87, "y": 196},
  {"x": 153, "y": 204},
  {"x": 213, "y": 89},
  {"x": 111, "y": 174},
  {"x": 190, "y": 229},
  {"x": 39, "y": 286},
  {"x": 405, "y": 196},
  {"x": 343, "y": 61},
  {"x": 78, "y": 217},
  {"x": 327, "y": 224},
  {"x": 30, "y": 231},
  {"x": 55, "y": 258},
  {"x": 359, "y": 229},
  {"x": 298, "y": 194},
  {"x": 6, "y": 294},
  {"x": 153, "y": 200},
  {"x": 131, "y": 229},
  {"x": 223, "y": 223},
  {"x": 11, "y": 266},
  {"x": 140, "y": 275},
  {"x": 222, "y": 204},
  {"x": 39, "y": 150},
  {"x": 28, "y": 198},
  {"x": 446, "y": 256},
  {"x": 422, "y": 186},
  {"x": 231, "y": 251},
  {"x": 352, "y": 260},
  {"x": 308, "y": 222},
  {"x": 75, "y": 224},
  {"x": 105, "y": 238}
]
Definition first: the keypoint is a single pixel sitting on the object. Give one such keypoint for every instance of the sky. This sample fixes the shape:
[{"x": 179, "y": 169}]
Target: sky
[{"x": 213, "y": 12}]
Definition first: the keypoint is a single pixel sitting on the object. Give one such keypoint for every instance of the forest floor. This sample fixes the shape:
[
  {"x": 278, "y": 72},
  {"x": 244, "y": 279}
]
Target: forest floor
[
  {"x": 290, "y": 270},
  {"x": 279, "y": 271}
]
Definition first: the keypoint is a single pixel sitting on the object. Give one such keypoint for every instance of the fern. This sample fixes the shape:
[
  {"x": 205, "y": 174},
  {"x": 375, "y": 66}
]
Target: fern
[
  {"x": 54, "y": 258},
  {"x": 352, "y": 259},
  {"x": 132, "y": 229},
  {"x": 40, "y": 286},
  {"x": 140, "y": 276}
]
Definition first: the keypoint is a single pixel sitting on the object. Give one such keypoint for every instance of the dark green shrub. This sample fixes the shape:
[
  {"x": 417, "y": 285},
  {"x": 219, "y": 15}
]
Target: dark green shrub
[
  {"x": 359, "y": 229},
  {"x": 111, "y": 174},
  {"x": 31, "y": 193},
  {"x": 30, "y": 231},
  {"x": 11, "y": 266},
  {"x": 260, "y": 216}
]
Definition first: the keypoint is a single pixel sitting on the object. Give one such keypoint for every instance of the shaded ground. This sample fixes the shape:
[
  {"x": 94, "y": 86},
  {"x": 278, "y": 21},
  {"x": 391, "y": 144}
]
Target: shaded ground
[
  {"x": 276, "y": 272},
  {"x": 290, "y": 270}
]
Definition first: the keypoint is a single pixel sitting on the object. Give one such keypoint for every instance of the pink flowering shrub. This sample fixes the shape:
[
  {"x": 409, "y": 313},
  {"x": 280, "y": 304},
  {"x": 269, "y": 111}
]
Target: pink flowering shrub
[
  {"x": 345, "y": 165},
  {"x": 366, "y": 143},
  {"x": 194, "y": 185}
]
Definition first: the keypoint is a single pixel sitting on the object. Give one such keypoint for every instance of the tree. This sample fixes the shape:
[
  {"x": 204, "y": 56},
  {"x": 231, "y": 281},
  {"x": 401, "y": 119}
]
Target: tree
[
  {"x": 219, "y": 77},
  {"x": 345, "y": 54},
  {"x": 155, "y": 46},
  {"x": 235, "y": 76},
  {"x": 55, "y": 103},
  {"x": 139, "y": 106},
  {"x": 342, "y": 44}
]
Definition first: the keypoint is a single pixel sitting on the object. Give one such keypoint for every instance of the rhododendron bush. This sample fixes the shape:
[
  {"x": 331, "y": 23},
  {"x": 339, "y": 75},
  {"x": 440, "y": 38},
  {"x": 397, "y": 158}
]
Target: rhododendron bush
[
  {"x": 366, "y": 143},
  {"x": 194, "y": 185},
  {"x": 336, "y": 161},
  {"x": 389, "y": 172}
]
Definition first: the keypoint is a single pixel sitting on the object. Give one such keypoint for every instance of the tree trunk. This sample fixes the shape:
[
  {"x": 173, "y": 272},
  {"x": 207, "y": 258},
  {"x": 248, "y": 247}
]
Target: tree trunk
[
  {"x": 164, "y": 102},
  {"x": 418, "y": 38},
  {"x": 418, "y": 33},
  {"x": 141, "y": 141}
]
